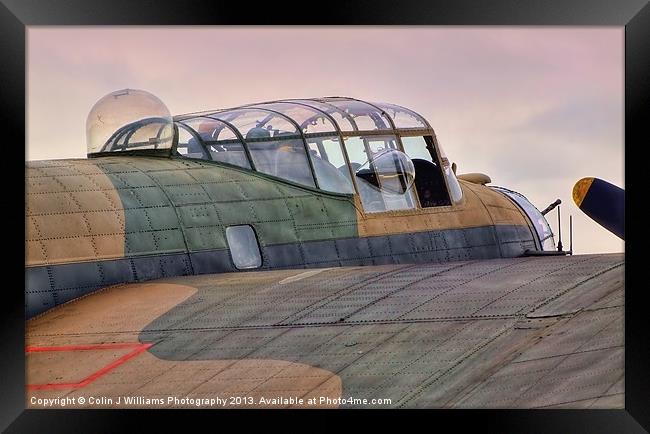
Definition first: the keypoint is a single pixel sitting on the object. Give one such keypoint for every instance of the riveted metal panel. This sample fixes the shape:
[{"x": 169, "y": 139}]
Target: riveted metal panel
[
  {"x": 283, "y": 256},
  {"x": 211, "y": 261},
  {"x": 354, "y": 322}
]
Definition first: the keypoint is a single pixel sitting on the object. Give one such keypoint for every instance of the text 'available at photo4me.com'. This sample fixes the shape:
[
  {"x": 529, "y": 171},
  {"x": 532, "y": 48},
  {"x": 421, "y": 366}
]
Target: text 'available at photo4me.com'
[{"x": 205, "y": 402}]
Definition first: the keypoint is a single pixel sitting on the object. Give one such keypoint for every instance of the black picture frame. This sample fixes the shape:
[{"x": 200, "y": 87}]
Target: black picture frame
[{"x": 16, "y": 15}]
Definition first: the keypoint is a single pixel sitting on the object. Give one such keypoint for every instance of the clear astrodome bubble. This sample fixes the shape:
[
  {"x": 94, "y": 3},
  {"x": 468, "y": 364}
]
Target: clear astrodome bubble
[{"x": 128, "y": 119}]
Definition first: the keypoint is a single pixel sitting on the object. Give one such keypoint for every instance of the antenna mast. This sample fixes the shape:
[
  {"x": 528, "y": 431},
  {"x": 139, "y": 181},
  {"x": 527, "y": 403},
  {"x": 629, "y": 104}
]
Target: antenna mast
[
  {"x": 570, "y": 234},
  {"x": 559, "y": 230}
]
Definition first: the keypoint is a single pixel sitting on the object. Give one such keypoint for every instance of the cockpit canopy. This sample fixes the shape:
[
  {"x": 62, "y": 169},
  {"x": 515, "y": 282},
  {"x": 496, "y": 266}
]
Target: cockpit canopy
[{"x": 336, "y": 144}]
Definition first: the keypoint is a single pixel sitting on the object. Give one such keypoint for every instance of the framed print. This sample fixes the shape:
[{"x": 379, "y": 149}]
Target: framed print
[{"x": 377, "y": 208}]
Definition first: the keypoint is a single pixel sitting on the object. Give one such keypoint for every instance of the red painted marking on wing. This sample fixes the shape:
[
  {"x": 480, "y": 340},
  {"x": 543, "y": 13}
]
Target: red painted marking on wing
[{"x": 138, "y": 348}]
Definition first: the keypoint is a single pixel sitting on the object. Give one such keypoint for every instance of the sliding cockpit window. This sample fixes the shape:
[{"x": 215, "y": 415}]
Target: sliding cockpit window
[{"x": 384, "y": 175}]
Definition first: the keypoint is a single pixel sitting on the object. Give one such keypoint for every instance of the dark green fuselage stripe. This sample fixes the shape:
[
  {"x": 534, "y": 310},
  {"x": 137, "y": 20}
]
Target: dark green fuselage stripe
[{"x": 187, "y": 208}]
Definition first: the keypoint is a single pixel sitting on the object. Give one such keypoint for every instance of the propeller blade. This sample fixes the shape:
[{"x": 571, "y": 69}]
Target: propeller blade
[{"x": 603, "y": 202}]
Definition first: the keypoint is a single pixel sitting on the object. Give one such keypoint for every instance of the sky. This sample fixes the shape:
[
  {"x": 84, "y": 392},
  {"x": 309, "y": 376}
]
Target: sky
[{"x": 535, "y": 108}]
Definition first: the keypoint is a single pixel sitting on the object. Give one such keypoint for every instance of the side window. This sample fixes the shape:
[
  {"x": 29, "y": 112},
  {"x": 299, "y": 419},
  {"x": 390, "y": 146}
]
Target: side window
[
  {"x": 364, "y": 154},
  {"x": 143, "y": 134},
  {"x": 244, "y": 248},
  {"x": 329, "y": 164},
  {"x": 221, "y": 143},
  {"x": 188, "y": 146},
  {"x": 282, "y": 158},
  {"x": 543, "y": 229},
  {"x": 230, "y": 151},
  {"x": 454, "y": 186},
  {"x": 183, "y": 138},
  {"x": 224, "y": 146},
  {"x": 429, "y": 180},
  {"x": 150, "y": 136}
]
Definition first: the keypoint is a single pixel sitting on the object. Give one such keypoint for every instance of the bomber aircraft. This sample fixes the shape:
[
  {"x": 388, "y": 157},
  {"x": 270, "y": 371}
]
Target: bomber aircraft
[{"x": 302, "y": 252}]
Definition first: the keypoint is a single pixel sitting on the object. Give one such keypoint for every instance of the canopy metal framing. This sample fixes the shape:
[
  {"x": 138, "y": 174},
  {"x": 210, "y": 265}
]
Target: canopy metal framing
[{"x": 322, "y": 108}]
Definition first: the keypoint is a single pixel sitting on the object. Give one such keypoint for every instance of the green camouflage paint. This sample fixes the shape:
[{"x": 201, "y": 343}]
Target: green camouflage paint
[{"x": 176, "y": 205}]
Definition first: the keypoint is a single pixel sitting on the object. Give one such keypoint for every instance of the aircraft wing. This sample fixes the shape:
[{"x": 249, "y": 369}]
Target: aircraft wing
[{"x": 504, "y": 333}]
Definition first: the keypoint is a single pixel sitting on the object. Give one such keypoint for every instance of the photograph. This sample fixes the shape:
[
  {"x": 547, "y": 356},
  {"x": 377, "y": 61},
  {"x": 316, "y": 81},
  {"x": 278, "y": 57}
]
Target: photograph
[{"x": 377, "y": 217}]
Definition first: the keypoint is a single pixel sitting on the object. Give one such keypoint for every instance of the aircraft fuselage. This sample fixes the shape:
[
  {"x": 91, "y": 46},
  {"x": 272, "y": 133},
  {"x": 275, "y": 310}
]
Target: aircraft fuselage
[{"x": 97, "y": 222}]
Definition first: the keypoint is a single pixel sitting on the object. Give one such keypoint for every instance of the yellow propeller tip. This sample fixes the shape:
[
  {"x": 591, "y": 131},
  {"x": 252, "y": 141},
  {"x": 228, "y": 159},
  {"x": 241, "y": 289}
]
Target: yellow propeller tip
[{"x": 580, "y": 190}]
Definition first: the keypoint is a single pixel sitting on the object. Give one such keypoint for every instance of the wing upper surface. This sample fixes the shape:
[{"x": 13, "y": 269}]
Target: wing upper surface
[{"x": 523, "y": 332}]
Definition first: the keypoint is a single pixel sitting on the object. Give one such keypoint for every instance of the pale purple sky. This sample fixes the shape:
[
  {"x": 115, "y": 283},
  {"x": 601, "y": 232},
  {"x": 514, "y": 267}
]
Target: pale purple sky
[{"x": 536, "y": 108}]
